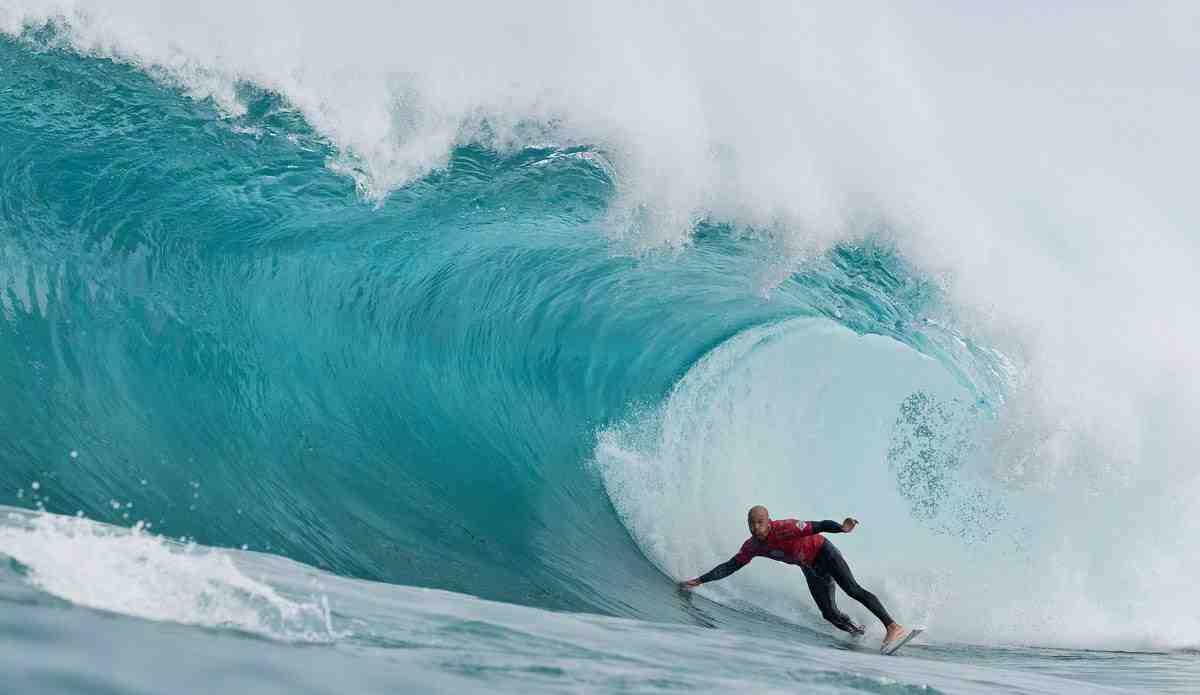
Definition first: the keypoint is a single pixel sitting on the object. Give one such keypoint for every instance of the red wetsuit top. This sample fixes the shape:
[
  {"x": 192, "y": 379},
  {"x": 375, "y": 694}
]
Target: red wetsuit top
[
  {"x": 801, "y": 543},
  {"x": 791, "y": 541}
]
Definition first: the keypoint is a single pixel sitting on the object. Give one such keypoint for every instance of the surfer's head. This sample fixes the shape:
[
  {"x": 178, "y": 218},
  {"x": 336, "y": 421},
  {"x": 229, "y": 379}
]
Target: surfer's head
[{"x": 759, "y": 521}]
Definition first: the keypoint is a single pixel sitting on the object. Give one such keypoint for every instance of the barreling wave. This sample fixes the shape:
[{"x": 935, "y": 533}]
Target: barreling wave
[
  {"x": 483, "y": 373},
  {"x": 220, "y": 338}
]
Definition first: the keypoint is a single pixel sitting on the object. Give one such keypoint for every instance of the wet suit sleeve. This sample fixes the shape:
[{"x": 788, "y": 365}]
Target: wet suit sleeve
[
  {"x": 733, "y": 564},
  {"x": 808, "y": 528},
  {"x": 722, "y": 570}
]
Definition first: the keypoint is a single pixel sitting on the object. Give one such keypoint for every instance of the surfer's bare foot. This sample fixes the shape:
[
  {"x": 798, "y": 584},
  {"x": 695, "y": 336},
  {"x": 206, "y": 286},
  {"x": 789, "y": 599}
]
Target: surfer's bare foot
[{"x": 894, "y": 631}]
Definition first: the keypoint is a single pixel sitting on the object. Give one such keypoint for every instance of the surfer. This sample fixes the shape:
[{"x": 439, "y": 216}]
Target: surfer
[{"x": 801, "y": 543}]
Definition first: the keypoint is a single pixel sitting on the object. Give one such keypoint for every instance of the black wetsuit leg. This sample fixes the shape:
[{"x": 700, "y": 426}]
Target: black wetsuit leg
[
  {"x": 830, "y": 563},
  {"x": 822, "y": 588}
]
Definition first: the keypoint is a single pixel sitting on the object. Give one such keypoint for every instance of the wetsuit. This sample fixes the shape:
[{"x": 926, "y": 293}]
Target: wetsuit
[{"x": 801, "y": 544}]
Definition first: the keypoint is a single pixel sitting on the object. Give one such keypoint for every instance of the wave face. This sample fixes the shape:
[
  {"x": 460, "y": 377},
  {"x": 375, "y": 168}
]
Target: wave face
[
  {"x": 313, "y": 290},
  {"x": 221, "y": 338}
]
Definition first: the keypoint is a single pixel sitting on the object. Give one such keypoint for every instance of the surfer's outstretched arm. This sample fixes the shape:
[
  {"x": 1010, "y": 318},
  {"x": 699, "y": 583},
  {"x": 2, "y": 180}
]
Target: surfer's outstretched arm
[
  {"x": 721, "y": 571},
  {"x": 830, "y": 526}
]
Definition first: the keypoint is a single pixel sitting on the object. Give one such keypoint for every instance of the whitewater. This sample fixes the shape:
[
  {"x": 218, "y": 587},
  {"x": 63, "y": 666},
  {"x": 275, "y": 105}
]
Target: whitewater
[{"x": 379, "y": 347}]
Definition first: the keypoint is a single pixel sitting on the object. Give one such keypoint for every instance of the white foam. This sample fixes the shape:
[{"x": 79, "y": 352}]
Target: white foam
[{"x": 135, "y": 573}]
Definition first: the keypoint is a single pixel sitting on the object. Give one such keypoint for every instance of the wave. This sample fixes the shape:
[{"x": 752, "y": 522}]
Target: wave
[{"x": 504, "y": 333}]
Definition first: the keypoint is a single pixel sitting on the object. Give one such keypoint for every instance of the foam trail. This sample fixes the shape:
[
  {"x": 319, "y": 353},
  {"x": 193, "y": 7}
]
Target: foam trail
[{"x": 133, "y": 572}]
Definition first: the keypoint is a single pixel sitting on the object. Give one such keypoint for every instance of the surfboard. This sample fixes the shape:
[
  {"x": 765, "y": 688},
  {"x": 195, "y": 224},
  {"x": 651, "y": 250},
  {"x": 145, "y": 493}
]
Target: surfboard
[{"x": 894, "y": 646}]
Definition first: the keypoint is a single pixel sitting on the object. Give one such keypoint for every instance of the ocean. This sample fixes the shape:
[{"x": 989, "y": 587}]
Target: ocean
[{"x": 387, "y": 348}]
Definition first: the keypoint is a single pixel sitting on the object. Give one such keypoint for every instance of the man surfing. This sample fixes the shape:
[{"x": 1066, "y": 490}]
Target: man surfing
[{"x": 801, "y": 543}]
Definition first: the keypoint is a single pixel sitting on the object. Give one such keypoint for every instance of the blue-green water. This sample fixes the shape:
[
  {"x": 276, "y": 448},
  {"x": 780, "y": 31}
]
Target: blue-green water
[{"x": 464, "y": 430}]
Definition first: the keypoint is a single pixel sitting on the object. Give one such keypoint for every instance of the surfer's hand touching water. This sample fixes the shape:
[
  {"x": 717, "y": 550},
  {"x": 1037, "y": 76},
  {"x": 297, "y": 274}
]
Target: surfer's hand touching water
[{"x": 800, "y": 543}]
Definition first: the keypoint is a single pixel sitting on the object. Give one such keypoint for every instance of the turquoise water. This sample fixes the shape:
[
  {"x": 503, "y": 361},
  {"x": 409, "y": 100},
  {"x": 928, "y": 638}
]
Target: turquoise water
[{"x": 277, "y": 419}]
